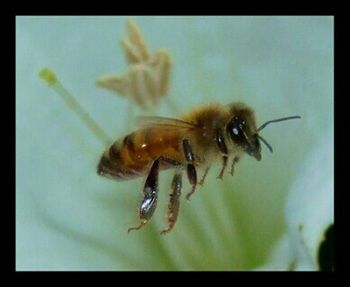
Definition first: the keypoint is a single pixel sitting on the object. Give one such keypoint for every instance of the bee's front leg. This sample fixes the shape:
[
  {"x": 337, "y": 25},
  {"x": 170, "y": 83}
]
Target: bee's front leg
[
  {"x": 191, "y": 170},
  {"x": 234, "y": 161},
  {"x": 149, "y": 202}
]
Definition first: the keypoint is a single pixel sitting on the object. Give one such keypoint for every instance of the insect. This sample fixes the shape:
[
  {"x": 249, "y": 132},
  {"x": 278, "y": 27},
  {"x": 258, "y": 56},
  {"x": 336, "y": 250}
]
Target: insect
[{"x": 201, "y": 137}]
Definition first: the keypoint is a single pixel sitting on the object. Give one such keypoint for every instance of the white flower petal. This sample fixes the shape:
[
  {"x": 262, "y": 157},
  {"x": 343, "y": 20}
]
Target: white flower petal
[
  {"x": 310, "y": 205},
  {"x": 309, "y": 212}
]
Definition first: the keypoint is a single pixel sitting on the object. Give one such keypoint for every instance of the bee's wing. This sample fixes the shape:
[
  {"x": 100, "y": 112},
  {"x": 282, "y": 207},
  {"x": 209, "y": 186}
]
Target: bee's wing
[{"x": 145, "y": 122}]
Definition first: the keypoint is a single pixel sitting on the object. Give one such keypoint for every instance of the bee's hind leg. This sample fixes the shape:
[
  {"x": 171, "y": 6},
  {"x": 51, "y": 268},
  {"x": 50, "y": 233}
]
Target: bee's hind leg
[
  {"x": 149, "y": 202},
  {"x": 174, "y": 203}
]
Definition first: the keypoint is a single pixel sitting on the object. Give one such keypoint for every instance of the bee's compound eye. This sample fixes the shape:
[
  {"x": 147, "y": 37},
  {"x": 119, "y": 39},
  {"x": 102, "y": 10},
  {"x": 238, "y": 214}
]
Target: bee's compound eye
[{"x": 234, "y": 130}]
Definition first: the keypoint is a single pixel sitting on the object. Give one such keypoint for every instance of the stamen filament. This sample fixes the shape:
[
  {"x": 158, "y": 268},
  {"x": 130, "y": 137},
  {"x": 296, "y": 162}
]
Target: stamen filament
[{"x": 51, "y": 79}]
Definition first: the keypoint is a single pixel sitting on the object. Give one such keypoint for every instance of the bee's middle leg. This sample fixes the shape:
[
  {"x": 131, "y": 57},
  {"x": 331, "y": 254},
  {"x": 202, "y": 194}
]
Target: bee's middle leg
[
  {"x": 150, "y": 191},
  {"x": 191, "y": 170},
  {"x": 220, "y": 141},
  {"x": 224, "y": 165},
  {"x": 201, "y": 182}
]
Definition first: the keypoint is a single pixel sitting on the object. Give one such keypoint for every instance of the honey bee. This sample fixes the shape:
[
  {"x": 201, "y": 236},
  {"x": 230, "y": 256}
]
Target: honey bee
[{"x": 201, "y": 137}]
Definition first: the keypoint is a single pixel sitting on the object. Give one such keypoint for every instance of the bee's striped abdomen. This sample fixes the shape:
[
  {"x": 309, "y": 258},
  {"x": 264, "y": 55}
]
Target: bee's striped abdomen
[
  {"x": 123, "y": 159},
  {"x": 132, "y": 156}
]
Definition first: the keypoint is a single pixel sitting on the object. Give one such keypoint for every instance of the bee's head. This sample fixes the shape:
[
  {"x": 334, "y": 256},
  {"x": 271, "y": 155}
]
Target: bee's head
[{"x": 243, "y": 131}]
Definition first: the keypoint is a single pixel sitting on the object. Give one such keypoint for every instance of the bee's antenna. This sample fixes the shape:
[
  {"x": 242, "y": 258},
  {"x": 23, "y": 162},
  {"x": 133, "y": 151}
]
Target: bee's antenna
[
  {"x": 269, "y": 122},
  {"x": 275, "y": 121},
  {"x": 265, "y": 142}
]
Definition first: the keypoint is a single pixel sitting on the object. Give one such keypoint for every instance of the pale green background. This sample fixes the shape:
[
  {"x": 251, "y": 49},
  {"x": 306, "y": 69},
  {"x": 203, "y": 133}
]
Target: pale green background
[{"x": 69, "y": 218}]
